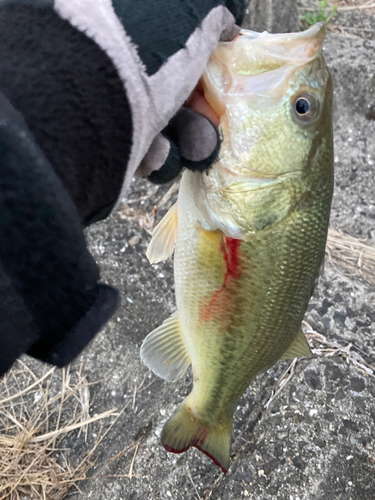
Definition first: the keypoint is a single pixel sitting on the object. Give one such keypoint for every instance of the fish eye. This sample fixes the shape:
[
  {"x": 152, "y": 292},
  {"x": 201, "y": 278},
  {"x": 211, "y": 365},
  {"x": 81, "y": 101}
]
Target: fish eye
[{"x": 305, "y": 107}]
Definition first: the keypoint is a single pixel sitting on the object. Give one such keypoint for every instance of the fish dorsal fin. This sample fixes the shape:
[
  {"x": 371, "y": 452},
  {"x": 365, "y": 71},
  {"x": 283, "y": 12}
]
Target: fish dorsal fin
[
  {"x": 163, "y": 237},
  {"x": 164, "y": 351},
  {"x": 298, "y": 348}
]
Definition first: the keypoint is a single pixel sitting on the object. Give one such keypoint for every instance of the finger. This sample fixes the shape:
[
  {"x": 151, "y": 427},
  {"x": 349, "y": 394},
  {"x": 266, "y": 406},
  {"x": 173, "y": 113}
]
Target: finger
[
  {"x": 197, "y": 102},
  {"x": 189, "y": 141},
  {"x": 155, "y": 157},
  {"x": 171, "y": 168},
  {"x": 195, "y": 135},
  {"x": 230, "y": 33}
]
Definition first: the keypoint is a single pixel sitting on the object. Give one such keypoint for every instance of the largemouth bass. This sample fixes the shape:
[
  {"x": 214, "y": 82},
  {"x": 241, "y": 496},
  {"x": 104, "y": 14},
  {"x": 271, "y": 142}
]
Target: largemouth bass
[{"x": 249, "y": 235}]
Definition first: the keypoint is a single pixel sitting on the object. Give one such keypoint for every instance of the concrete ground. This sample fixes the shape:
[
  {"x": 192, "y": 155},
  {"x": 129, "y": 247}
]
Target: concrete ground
[{"x": 316, "y": 439}]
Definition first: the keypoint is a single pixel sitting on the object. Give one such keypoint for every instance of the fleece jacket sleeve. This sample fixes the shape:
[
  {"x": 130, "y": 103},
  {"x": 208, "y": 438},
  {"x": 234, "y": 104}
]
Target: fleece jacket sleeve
[{"x": 51, "y": 303}]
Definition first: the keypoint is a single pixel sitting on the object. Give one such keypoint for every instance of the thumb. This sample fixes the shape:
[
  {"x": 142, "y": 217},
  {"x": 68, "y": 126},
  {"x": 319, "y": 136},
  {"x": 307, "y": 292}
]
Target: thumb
[
  {"x": 190, "y": 140},
  {"x": 196, "y": 137}
]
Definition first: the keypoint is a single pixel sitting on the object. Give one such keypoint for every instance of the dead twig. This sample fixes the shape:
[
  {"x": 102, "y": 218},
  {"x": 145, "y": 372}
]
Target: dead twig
[
  {"x": 146, "y": 220},
  {"x": 281, "y": 383},
  {"x": 216, "y": 483},
  {"x": 365, "y": 6},
  {"x": 192, "y": 482},
  {"x": 130, "y": 473},
  {"x": 323, "y": 347}
]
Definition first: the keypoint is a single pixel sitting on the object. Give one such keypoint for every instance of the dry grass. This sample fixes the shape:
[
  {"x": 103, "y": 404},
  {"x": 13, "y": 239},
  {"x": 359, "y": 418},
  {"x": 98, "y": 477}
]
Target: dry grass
[
  {"x": 346, "y": 5},
  {"x": 33, "y": 422},
  {"x": 350, "y": 5},
  {"x": 323, "y": 347},
  {"x": 354, "y": 254}
]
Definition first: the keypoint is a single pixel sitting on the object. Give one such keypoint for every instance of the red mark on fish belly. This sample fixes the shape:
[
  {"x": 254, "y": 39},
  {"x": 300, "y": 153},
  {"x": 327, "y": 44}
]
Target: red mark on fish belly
[
  {"x": 218, "y": 304},
  {"x": 230, "y": 248}
]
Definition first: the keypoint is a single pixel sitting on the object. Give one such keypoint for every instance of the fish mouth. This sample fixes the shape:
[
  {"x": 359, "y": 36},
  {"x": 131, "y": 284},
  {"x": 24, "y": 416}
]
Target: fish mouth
[
  {"x": 317, "y": 29},
  {"x": 300, "y": 45},
  {"x": 269, "y": 59},
  {"x": 258, "y": 67}
]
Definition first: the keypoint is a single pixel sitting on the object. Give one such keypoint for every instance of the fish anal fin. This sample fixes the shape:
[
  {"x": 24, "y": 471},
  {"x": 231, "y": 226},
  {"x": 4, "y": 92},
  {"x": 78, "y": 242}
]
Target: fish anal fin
[
  {"x": 164, "y": 351},
  {"x": 163, "y": 237},
  {"x": 184, "y": 430},
  {"x": 298, "y": 348}
]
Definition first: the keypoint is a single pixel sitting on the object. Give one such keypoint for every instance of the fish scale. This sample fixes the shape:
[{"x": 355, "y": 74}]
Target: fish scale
[
  {"x": 283, "y": 245},
  {"x": 249, "y": 235}
]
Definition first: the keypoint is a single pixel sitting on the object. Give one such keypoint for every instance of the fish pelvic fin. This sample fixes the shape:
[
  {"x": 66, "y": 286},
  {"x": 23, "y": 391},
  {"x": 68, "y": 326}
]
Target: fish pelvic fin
[
  {"x": 163, "y": 237},
  {"x": 298, "y": 348},
  {"x": 184, "y": 430},
  {"x": 164, "y": 351}
]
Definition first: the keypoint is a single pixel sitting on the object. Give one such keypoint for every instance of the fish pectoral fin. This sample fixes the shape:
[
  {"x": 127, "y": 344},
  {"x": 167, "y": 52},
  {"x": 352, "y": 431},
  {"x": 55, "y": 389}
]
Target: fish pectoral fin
[
  {"x": 164, "y": 351},
  {"x": 163, "y": 237},
  {"x": 298, "y": 348},
  {"x": 184, "y": 430}
]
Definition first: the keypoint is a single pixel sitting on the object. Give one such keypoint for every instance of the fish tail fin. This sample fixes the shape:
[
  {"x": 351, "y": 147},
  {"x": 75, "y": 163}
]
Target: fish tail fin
[{"x": 184, "y": 430}]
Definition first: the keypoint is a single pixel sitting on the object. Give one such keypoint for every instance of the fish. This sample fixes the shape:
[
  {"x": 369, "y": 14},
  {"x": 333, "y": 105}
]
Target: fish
[{"x": 249, "y": 235}]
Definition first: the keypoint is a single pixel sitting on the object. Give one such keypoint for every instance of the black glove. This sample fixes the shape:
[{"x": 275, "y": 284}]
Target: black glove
[{"x": 160, "y": 50}]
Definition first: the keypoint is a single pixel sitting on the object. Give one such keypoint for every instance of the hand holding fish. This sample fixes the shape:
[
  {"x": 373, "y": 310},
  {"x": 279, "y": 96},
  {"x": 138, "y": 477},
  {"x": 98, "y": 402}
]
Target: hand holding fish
[
  {"x": 89, "y": 91},
  {"x": 177, "y": 107}
]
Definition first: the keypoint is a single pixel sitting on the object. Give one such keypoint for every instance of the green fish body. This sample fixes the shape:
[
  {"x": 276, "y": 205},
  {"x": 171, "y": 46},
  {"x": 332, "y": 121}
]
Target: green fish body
[{"x": 249, "y": 236}]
